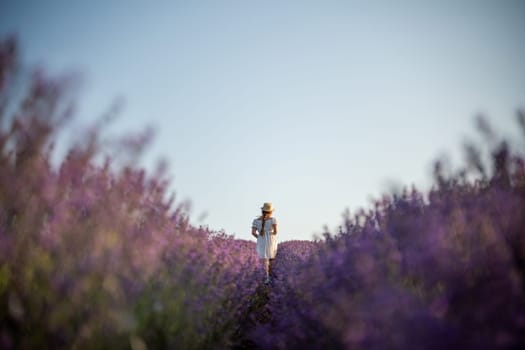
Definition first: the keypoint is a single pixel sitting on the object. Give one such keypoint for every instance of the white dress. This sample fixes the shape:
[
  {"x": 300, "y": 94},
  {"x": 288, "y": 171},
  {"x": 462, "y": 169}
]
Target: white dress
[{"x": 267, "y": 243}]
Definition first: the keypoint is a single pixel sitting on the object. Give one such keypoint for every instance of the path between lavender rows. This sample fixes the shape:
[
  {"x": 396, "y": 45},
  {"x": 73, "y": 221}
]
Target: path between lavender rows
[{"x": 262, "y": 316}]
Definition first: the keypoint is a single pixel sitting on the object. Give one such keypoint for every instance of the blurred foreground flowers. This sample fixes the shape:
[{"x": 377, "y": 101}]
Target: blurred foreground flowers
[
  {"x": 93, "y": 254},
  {"x": 442, "y": 270}
]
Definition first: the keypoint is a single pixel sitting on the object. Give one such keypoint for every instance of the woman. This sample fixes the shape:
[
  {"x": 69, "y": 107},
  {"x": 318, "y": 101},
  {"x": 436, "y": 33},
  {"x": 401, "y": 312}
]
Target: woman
[{"x": 264, "y": 228}]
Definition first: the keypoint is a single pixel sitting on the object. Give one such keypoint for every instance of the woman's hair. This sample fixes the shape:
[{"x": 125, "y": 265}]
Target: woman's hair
[{"x": 263, "y": 217}]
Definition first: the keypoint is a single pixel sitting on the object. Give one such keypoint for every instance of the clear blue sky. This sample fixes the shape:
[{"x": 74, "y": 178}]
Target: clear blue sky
[{"x": 313, "y": 105}]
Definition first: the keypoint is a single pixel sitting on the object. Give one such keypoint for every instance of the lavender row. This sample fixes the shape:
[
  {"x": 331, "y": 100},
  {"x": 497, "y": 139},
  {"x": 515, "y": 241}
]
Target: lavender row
[
  {"x": 434, "y": 271},
  {"x": 92, "y": 252}
]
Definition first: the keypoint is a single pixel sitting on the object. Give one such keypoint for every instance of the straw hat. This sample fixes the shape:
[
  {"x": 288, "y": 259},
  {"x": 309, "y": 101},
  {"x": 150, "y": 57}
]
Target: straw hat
[{"x": 267, "y": 207}]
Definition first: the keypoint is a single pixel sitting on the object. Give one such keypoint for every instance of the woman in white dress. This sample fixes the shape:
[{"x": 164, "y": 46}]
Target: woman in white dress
[{"x": 264, "y": 228}]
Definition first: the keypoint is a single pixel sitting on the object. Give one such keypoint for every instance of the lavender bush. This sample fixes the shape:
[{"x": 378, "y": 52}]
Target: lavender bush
[
  {"x": 93, "y": 255},
  {"x": 447, "y": 271}
]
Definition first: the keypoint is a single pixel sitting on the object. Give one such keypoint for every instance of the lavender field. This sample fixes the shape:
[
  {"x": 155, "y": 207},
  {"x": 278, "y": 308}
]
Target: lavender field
[{"x": 94, "y": 253}]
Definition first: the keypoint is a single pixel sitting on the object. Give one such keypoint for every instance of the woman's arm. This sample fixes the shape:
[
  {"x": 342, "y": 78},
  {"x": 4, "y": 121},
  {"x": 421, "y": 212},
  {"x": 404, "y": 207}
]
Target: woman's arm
[
  {"x": 254, "y": 232},
  {"x": 274, "y": 229}
]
